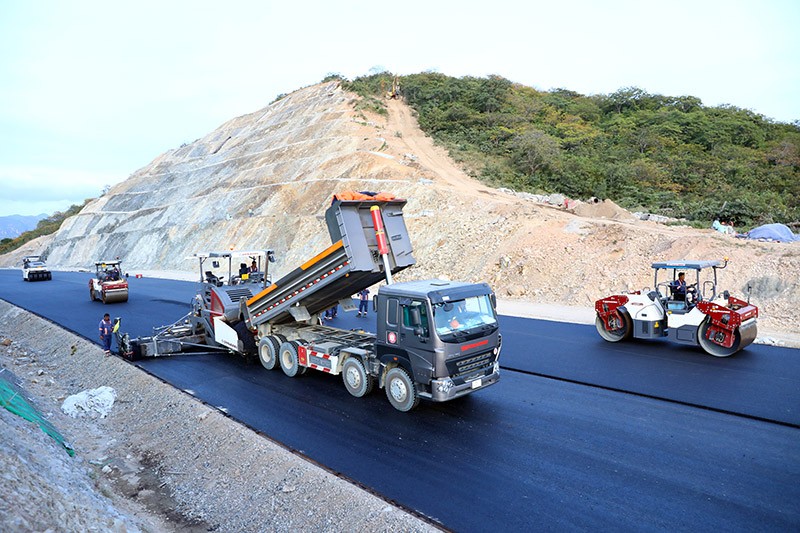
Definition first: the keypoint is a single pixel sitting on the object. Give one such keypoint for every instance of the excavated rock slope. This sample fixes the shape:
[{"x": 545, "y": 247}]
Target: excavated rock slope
[{"x": 263, "y": 180}]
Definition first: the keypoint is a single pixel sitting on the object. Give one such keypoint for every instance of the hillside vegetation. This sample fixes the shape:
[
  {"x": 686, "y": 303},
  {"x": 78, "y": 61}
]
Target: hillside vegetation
[{"x": 668, "y": 155}]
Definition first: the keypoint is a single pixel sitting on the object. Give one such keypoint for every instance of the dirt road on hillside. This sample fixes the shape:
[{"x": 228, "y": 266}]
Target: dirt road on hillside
[{"x": 434, "y": 158}]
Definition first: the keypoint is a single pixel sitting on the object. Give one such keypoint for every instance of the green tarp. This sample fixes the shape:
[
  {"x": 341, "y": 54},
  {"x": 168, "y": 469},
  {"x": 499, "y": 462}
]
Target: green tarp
[{"x": 12, "y": 399}]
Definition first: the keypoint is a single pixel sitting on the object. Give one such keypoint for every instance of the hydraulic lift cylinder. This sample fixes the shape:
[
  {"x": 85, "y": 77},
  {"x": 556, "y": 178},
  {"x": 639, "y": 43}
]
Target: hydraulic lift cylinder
[{"x": 380, "y": 237}]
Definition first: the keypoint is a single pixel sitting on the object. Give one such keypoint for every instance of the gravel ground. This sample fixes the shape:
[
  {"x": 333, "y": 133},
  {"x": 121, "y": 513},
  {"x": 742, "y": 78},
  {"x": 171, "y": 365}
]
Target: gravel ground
[{"x": 160, "y": 461}]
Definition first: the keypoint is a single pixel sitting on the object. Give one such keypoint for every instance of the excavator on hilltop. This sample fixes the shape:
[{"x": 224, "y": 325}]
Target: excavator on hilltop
[{"x": 394, "y": 92}]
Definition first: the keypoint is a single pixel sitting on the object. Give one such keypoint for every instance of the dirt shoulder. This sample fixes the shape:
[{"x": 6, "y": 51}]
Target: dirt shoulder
[{"x": 160, "y": 461}]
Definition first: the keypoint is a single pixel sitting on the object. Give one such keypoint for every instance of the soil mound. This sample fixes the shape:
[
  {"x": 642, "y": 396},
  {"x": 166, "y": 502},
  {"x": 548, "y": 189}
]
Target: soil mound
[{"x": 602, "y": 209}]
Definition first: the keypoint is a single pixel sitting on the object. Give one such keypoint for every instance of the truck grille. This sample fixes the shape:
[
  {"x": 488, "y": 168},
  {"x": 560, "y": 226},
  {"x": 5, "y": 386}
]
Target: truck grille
[{"x": 472, "y": 365}]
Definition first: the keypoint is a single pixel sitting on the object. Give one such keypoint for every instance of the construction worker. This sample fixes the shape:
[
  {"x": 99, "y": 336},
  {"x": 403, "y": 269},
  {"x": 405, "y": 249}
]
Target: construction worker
[
  {"x": 106, "y": 329},
  {"x": 363, "y": 302}
]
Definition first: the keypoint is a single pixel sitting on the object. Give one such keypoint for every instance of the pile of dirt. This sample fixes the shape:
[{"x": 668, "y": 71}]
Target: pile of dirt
[{"x": 595, "y": 208}]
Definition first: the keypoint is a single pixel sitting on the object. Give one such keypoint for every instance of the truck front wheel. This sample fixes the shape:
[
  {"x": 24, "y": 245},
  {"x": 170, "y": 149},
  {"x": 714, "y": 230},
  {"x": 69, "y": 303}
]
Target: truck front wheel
[
  {"x": 400, "y": 390},
  {"x": 355, "y": 378}
]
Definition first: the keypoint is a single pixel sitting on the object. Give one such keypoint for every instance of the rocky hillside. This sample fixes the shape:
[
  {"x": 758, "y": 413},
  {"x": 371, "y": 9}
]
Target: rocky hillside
[{"x": 263, "y": 181}]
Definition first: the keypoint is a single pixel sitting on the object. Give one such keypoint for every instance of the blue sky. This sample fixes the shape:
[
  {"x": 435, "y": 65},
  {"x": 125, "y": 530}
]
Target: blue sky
[{"x": 91, "y": 91}]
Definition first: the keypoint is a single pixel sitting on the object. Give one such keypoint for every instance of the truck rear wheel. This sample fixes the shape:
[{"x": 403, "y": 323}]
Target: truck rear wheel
[
  {"x": 268, "y": 352},
  {"x": 287, "y": 355},
  {"x": 400, "y": 390},
  {"x": 355, "y": 378},
  {"x": 623, "y": 332}
]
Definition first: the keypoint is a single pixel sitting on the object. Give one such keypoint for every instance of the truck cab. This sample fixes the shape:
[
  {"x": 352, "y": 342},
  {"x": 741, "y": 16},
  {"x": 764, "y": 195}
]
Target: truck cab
[{"x": 443, "y": 333}]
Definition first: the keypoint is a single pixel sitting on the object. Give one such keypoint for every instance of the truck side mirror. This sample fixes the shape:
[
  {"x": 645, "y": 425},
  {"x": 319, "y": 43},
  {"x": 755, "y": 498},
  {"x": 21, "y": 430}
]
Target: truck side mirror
[
  {"x": 416, "y": 318},
  {"x": 494, "y": 300}
]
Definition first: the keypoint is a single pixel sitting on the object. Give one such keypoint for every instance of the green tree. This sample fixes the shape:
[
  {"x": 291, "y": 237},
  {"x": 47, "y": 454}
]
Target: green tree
[{"x": 534, "y": 151}]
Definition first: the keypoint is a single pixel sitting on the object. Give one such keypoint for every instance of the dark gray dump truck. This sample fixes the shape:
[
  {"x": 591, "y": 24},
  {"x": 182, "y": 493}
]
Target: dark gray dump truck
[{"x": 435, "y": 339}]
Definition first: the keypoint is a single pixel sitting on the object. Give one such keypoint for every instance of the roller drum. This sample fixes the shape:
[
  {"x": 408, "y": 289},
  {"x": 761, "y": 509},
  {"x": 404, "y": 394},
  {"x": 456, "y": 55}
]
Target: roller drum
[
  {"x": 744, "y": 335},
  {"x": 748, "y": 332},
  {"x": 115, "y": 296}
]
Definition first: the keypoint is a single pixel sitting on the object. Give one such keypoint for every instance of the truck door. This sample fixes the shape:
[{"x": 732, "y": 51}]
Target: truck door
[{"x": 415, "y": 337}]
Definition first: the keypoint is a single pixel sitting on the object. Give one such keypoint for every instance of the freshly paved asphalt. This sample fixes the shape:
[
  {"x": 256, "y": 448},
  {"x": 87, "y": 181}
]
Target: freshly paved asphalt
[{"x": 696, "y": 442}]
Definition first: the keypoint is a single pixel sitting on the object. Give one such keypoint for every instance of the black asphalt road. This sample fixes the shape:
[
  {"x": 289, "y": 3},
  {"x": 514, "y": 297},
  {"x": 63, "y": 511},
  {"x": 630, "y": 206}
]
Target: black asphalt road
[{"x": 555, "y": 445}]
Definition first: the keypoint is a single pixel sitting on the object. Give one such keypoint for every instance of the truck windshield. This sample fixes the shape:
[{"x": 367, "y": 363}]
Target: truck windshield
[{"x": 468, "y": 317}]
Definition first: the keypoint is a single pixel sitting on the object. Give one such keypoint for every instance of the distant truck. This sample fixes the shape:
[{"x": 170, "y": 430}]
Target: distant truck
[
  {"x": 34, "y": 269},
  {"x": 108, "y": 285},
  {"x": 435, "y": 339}
]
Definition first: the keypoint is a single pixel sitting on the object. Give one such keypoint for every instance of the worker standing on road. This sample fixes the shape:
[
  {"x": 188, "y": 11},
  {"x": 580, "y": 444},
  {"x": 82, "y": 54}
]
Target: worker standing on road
[
  {"x": 106, "y": 328},
  {"x": 363, "y": 297}
]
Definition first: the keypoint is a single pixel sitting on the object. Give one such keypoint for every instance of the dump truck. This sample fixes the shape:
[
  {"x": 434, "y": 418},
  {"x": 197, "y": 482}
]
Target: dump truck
[
  {"x": 434, "y": 339},
  {"x": 34, "y": 269},
  {"x": 108, "y": 285},
  {"x": 692, "y": 312}
]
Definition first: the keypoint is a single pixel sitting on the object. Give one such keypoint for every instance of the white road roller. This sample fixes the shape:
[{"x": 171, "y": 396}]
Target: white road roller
[
  {"x": 687, "y": 308},
  {"x": 34, "y": 269}
]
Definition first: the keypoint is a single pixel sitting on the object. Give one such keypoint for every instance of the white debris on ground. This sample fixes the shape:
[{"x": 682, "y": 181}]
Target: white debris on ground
[{"x": 93, "y": 403}]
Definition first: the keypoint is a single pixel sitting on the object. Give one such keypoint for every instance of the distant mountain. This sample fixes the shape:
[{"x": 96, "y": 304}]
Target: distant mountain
[{"x": 13, "y": 226}]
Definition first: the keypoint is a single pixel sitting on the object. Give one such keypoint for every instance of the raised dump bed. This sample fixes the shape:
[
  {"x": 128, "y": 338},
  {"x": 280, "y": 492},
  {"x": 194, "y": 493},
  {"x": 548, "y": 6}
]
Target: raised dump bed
[{"x": 353, "y": 262}]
